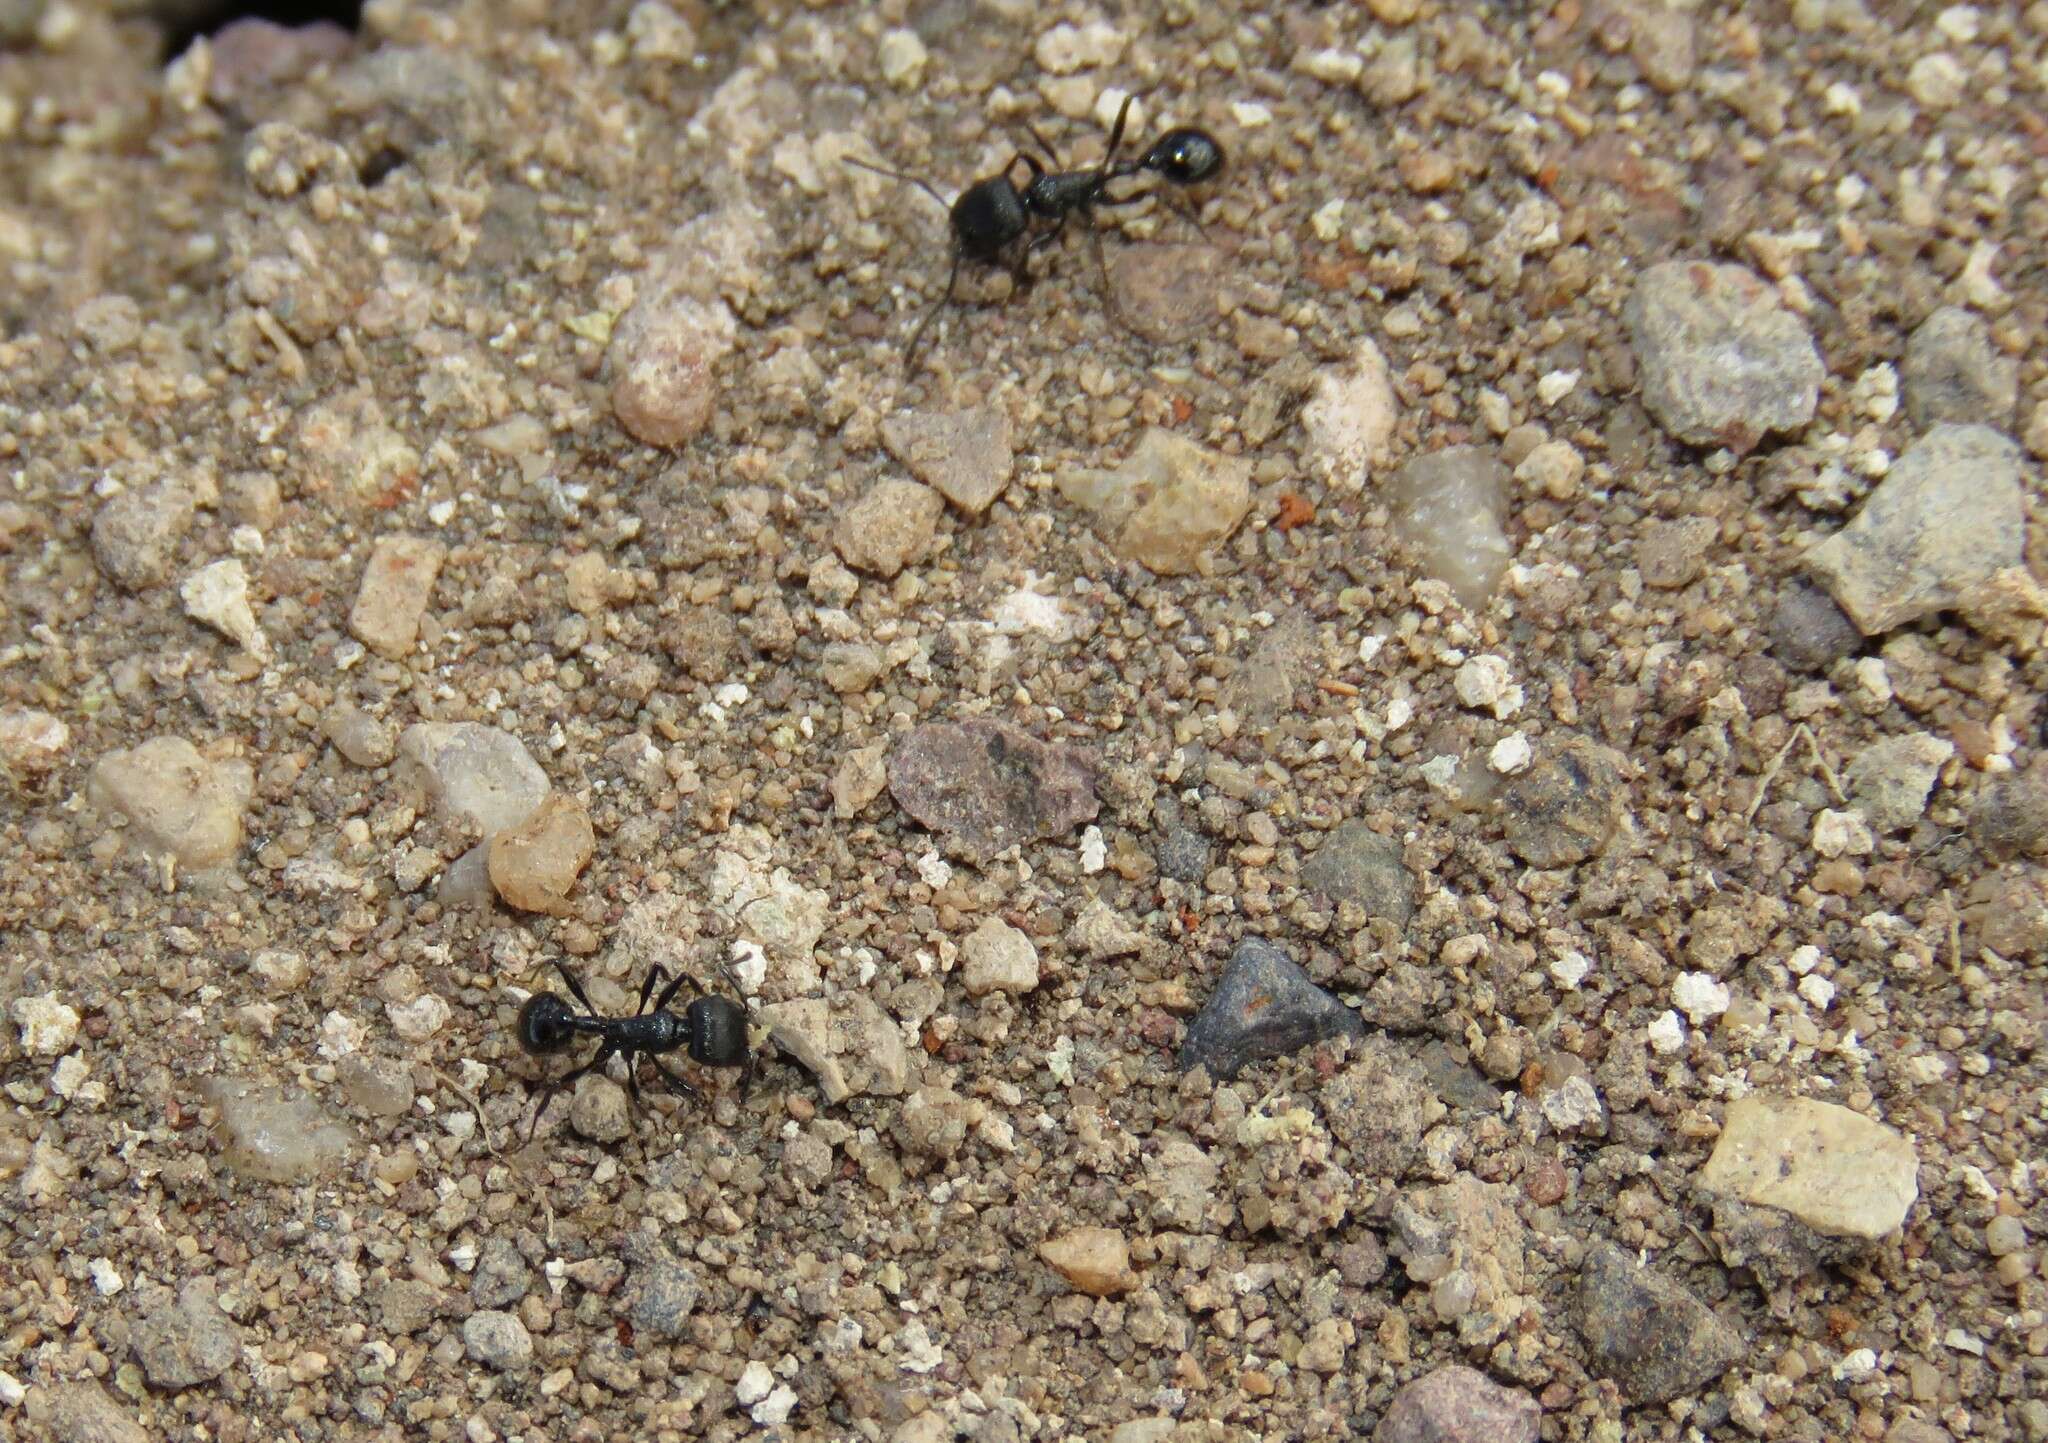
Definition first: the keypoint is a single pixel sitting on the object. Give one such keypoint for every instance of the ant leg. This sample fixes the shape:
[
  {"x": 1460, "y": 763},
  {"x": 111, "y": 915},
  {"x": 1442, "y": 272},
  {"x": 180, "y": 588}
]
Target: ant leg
[
  {"x": 917, "y": 336},
  {"x": 632, "y": 1077},
  {"x": 605, "y": 1053},
  {"x": 647, "y": 987},
  {"x": 670, "y": 990},
  {"x": 732, "y": 980},
  {"x": 676, "y": 1080},
  {"x": 575, "y": 986},
  {"x": 1050, "y": 154}
]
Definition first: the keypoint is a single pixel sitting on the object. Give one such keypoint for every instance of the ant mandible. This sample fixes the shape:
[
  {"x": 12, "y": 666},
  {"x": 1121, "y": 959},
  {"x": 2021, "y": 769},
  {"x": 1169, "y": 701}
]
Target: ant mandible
[
  {"x": 713, "y": 1028},
  {"x": 991, "y": 219}
]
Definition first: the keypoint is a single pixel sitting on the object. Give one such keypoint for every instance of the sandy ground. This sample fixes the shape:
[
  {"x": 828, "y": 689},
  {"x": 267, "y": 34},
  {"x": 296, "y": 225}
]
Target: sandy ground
[{"x": 1545, "y": 539}]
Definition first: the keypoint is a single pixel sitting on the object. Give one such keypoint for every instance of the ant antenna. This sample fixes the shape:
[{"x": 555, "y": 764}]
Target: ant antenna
[{"x": 919, "y": 181}]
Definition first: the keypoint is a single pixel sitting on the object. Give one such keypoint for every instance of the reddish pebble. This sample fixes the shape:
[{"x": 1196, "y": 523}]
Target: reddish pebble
[{"x": 1546, "y": 1184}]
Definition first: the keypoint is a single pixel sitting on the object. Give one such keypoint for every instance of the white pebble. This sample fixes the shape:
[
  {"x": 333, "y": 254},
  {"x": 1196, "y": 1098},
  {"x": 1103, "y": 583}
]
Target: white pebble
[
  {"x": 340, "y": 1035},
  {"x": 933, "y": 870},
  {"x": 1803, "y": 959},
  {"x": 1936, "y": 81},
  {"x": 12, "y": 1390},
  {"x": 105, "y": 1278},
  {"x": 1094, "y": 851},
  {"x": 1250, "y": 115},
  {"x": 1332, "y": 67},
  {"x": 1484, "y": 683},
  {"x": 1667, "y": 1034},
  {"x": 1699, "y": 996},
  {"x": 69, "y": 1075},
  {"x": 1817, "y": 990},
  {"x": 1400, "y": 711},
  {"x": 419, "y": 1019},
  {"x": 48, "y": 1027},
  {"x": 1510, "y": 755},
  {"x": 776, "y": 1407},
  {"x": 755, "y": 1383},
  {"x": 1570, "y": 970},
  {"x": 1555, "y": 386}
]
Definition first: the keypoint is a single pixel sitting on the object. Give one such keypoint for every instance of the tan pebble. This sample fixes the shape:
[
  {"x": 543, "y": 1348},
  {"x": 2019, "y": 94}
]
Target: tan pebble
[
  {"x": 1097, "y": 1261},
  {"x": 534, "y": 864}
]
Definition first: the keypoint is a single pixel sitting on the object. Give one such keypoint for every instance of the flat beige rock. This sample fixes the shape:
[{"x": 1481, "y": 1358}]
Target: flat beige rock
[{"x": 1835, "y": 1170}]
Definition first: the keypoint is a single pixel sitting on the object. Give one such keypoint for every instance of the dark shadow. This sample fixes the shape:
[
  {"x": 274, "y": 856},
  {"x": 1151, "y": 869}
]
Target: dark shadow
[{"x": 186, "y": 20}]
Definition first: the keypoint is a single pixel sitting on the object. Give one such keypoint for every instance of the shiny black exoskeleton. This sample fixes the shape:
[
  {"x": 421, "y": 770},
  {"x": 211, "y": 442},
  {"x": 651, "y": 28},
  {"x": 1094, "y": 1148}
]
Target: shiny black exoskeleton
[
  {"x": 1184, "y": 155},
  {"x": 995, "y": 222},
  {"x": 712, "y": 1028}
]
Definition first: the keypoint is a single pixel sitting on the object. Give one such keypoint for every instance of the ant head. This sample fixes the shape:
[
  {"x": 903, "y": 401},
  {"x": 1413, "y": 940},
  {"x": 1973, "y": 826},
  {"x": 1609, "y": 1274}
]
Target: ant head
[
  {"x": 718, "y": 1031},
  {"x": 988, "y": 215},
  {"x": 546, "y": 1023},
  {"x": 1185, "y": 156}
]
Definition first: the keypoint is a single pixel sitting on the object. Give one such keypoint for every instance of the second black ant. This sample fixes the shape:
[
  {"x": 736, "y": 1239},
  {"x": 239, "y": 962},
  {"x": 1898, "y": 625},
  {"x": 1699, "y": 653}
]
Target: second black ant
[
  {"x": 714, "y": 1029},
  {"x": 995, "y": 222}
]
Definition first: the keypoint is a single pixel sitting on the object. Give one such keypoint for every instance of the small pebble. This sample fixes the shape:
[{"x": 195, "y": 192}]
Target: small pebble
[
  {"x": 996, "y": 957},
  {"x": 891, "y": 527},
  {"x": 1264, "y": 1006},
  {"x": 497, "y": 1340},
  {"x": 48, "y": 1027},
  {"x": 1096, "y": 1261},
  {"x": 986, "y": 786},
  {"x": 397, "y": 584},
  {"x": 1169, "y": 505},
  {"x": 180, "y": 804},
  {"x": 534, "y": 863},
  {"x": 1722, "y": 363}
]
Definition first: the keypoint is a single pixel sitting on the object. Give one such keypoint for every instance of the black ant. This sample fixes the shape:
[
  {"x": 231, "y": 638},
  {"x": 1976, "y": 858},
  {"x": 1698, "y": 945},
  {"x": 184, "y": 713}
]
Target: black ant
[
  {"x": 991, "y": 219},
  {"x": 713, "y": 1028}
]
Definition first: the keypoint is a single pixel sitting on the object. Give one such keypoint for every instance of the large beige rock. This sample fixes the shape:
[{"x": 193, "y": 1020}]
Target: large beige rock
[{"x": 1835, "y": 1170}]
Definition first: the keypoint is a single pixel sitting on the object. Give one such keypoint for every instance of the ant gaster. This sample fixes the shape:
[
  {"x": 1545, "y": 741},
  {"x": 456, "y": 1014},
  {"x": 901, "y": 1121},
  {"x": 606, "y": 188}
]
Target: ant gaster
[
  {"x": 992, "y": 218},
  {"x": 713, "y": 1028}
]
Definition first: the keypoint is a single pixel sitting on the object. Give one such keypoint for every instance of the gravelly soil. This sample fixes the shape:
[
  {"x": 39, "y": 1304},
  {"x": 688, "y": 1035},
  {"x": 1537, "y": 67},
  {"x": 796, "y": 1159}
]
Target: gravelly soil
[{"x": 288, "y": 300}]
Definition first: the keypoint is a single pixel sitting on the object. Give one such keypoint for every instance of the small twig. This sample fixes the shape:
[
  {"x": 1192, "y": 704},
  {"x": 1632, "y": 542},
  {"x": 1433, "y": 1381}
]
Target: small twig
[
  {"x": 483, "y": 1124},
  {"x": 1771, "y": 769},
  {"x": 1827, "y": 773}
]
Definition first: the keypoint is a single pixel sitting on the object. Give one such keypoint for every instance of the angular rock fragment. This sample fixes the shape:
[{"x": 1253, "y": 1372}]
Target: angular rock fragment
[
  {"x": 985, "y": 786},
  {"x": 1264, "y": 1006},
  {"x": 534, "y": 864},
  {"x": 1835, "y": 1170},
  {"x": 1096, "y": 1261},
  {"x": 1456, "y": 1404},
  {"x": 1948, "y": 516},
  {"x": 1647, "y": 1332},
  {"x": 476, "y": 775},
  {"x": 181, "y": 805},
  {"x": 966, "y": 456},
  {"x": 1169, "y": 505},
  {"x": 1721, "y": 362},
  {"x": 397, "y": 585}
]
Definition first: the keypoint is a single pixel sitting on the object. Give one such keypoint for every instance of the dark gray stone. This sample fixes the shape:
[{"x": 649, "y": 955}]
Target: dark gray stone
[
  {"x": 665, "y": 1293},
  {"x": 1808, "y": 631},
  {"x": 502, "y": 1276},
  {"x": 1265, "y": 1006},
  {"x": 1647, "y": 1332},
  {"x": 1357, "y": 864},
  {"x": 1183, "y": 855},
  {"x": 1566, "y": 807}
]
